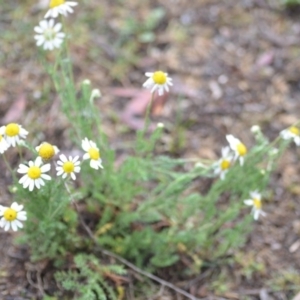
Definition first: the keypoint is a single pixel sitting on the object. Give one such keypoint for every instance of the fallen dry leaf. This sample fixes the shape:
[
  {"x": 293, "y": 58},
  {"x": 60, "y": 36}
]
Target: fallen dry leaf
[
  {"x": 16, "y": 110},
  {"x": 136, "y": 108}
]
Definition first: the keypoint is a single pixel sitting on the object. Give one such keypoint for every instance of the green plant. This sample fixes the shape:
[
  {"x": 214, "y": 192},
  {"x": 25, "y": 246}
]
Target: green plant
[
  {"x": 88, "y": 281},
  {"x": 151, "y": 209},
  {"x": 290, "y": 3}
]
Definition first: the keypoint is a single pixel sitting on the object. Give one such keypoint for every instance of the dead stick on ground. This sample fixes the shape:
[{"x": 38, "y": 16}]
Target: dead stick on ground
[
  {"x": 133, "y": 267},
  {"x": 126, "y": 262}
]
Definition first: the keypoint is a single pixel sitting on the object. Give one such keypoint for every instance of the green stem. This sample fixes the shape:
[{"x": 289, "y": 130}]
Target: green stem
[
  {"x": 20, "y": 153},
  {"x": 147, "y": 115},
  {"x": 8, "y": 166}
]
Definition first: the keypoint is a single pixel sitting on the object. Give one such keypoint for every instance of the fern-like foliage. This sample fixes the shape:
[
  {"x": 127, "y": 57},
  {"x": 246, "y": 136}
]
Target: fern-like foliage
[{"x": 88, "y": 281}]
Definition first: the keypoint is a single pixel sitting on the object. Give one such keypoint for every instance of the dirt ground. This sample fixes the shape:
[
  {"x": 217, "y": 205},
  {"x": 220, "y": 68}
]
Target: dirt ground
[{"x": 234, "y": 64}]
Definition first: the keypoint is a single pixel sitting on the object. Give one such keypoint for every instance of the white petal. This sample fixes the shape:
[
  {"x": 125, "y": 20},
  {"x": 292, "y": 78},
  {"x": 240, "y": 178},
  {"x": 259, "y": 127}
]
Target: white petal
[
  {"x": 86, "y": 156},
  {"x": 31, "y": 185},
  {"x": 46, "y": 177},
  {"x": 75, "y": 159},
  {"x": 63, "y": 158},
  {"x": 27, "y": 182},
  {"x": 40, "y": 41},
  {"x": 57, "y": 27},
  {"x": 297, "y": 140},
  {"x": 255, "y": 195},
  {"x": 45, "y": 168},
  {"x": 38, "y": 29},
  {"x": 77, "y": 169},
  {"x": 12, "y": 140},
  {"x": 222, "y": 175},
  {"x": 23, "y": 132},
  {"x": 41, "y": 182},
  {"x": 38, "y": 161},
  {"x": 59, "y": 172},
  {"x": 23, "y": 179},
  {"x": 22, "y": 216},
  {"x": 22, "y": 169},
  {"x": 7, "y": 225},
  {"x": 18, "y": 223},
  {"x": 2, "y": 222},
  {"x": 14, "y": 226},
  {"x": 37, "y": 184},
  {"x": 85, "y": 144},
  {"x": 248, "y": 202},
  {"x": 256, "y": 214},
  {"x": 16, "y": 206},
  {"x": 44, "y": 24},
  {"x": 94, "y": 164},
  {"x": 241, "y": 159},
  {"x": 71, "y": 3}
]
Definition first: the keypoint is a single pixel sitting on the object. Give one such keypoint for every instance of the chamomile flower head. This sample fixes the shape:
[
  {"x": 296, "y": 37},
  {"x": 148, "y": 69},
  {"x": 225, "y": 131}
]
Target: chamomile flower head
[
  {"x": 34, "y": 174},
  {"x": 92, "y": 153},
  {"x": 255, "y": 129},
  {"x": 46, "y": 151},
  {"x": 224, "y": 163},
  {"x": 239, "y": 149},
  {"x": 68, "y": 166},
  {"x": 3, "y": 144},
  {"x": 159, "y": 81},
  {"x": 13, "y": 133},
  {"x": 255, "y": 202},
  {"x": 12, "y": 217},
  {"x": 291, "y": 133},
  {"x": 49, "y": 35},
  {"x": 59, "y": 7}
]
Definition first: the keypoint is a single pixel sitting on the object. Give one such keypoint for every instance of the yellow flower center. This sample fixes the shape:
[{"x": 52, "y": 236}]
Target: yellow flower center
[
  {"x": 34, "y": 172},
  {"x": 241, "y": 149},
  {"x": 257, "y": 203},
  {"x": 1, "y": 137},
  {"x": 46, "y": 151},
  {"x": 12, "y": 129},
  {"x": 54, "y": 3},
  {"x": 159, "y": 77},
  {"x": 94, "y": 153},
  {"x": 10, "y": 214},
  {"x": 294, "y": 130},
  {"x": 225, "y": 164},
  {"x": 68, "y": 167}
]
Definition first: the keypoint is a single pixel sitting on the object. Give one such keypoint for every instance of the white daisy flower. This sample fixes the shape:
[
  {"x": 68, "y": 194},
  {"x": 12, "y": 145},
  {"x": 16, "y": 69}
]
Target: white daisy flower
[
  {"x": 255, "y": 129},
  {"x": 223, "y": 165},
  {"x": 3, "y": 144},
  {"x": 68, "y": 166},
  {"x": 239, "y": 149},
  {"x": 46, "y": 151},
  {"x": 255, "y": 202},
  {"x": 11, "y": 217},
  {"x": 34, "y": 174},
  {"x": 159, "y": 81},
  {"x": 13, "y": 133},
  {"x": 291, "y": 133},
  {"x": 59, "y": 7},
  {"x": 48, "y": 34},
  {"x": 93, "y": 153}
]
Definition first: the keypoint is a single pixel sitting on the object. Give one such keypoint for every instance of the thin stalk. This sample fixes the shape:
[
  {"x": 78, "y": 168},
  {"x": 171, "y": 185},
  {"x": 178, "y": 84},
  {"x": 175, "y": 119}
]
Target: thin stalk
[
  {"x": 147, "y": 115},
  {"x": 8, "y": 166}
]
